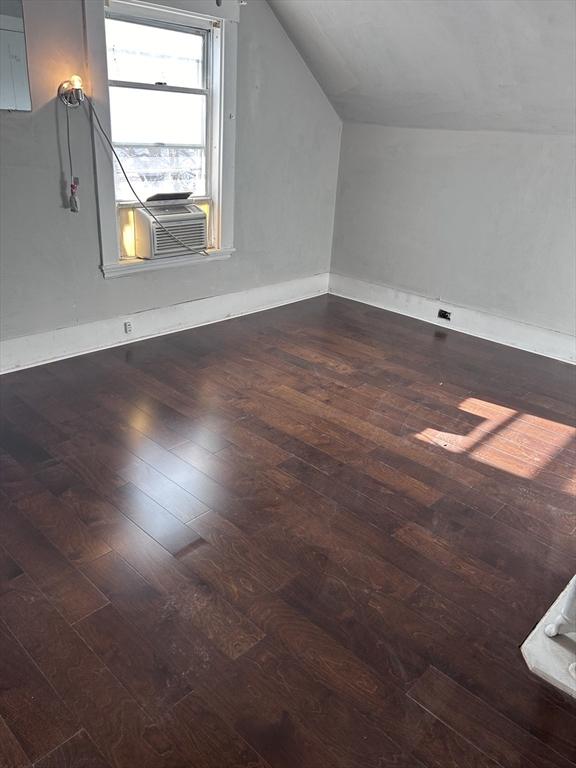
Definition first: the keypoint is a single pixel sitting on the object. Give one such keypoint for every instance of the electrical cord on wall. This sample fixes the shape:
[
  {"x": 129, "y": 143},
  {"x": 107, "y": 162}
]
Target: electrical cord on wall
[
  {"x": 92, "y": 110},
  {"x": 73, "y": 201},
  {"x": 68, "y": 143}
]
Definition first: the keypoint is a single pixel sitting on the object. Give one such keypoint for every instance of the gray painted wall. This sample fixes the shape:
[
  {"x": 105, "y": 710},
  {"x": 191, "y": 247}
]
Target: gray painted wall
[
  {"x": 484, "y": 220},
  {"x": 288, "y": 138},
  {"x": 480, "y": 219}
]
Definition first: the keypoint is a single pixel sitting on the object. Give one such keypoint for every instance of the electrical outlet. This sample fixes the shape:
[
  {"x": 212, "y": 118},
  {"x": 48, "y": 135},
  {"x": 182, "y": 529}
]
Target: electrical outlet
[
  {"x": 443, "y": 314},
  {"x": 127, "y": 327}
]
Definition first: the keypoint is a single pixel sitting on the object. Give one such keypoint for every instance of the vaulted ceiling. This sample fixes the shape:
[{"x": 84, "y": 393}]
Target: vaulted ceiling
[{"x": 460, "y": 64}]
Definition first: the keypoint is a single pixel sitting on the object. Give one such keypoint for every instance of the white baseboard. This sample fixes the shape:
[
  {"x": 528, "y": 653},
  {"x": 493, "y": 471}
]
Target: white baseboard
[
  {"x": 39, "y": 348},
  {"x": 542, "y": 341}
]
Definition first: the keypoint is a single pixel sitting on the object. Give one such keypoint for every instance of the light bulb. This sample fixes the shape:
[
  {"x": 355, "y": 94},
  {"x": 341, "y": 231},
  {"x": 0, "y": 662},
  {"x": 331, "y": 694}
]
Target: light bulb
[{"x": 70, "y": 91}]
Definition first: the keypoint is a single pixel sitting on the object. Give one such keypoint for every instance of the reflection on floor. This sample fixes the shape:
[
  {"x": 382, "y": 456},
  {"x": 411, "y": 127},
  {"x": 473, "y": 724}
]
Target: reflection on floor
[{"x": 310, "y": 537}]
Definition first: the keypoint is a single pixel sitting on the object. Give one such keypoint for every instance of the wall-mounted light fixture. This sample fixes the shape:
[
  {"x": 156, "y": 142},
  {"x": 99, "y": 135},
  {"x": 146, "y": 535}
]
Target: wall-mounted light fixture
[{"x": 70, "y": 91}]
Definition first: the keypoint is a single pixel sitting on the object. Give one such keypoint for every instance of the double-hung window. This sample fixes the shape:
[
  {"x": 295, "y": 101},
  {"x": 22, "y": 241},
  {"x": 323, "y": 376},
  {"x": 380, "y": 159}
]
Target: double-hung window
[
  {"x": 171, "y": 88},
  {"x": 159, "y": 110}
]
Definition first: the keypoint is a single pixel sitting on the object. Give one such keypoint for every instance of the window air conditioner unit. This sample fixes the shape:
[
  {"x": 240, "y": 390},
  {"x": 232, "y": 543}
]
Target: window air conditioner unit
[{"x": 183, "y": 231}]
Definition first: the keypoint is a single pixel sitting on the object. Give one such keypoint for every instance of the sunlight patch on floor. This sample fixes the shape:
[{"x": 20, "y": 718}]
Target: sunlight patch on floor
[{"x": 518, "y": 443}]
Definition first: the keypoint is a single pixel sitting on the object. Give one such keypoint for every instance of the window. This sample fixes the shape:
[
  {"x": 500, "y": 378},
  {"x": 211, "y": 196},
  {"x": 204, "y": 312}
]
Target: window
[
  {"x": 164, "y": 82},
  {"x": 158, "y": 81}
]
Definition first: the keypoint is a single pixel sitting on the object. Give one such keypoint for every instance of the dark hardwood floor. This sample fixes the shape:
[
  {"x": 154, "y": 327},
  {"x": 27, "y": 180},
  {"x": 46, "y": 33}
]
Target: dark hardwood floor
[{"x": 312, "y": 537}]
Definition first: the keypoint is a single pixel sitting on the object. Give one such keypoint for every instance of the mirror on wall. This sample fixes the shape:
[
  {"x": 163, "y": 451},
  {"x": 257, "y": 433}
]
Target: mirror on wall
[{"x": 14, "y": 85}]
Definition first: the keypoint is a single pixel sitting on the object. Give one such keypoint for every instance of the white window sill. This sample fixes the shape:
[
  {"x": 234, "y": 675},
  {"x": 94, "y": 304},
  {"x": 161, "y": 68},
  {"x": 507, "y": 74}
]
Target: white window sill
[{"x": 126, "y": 267}]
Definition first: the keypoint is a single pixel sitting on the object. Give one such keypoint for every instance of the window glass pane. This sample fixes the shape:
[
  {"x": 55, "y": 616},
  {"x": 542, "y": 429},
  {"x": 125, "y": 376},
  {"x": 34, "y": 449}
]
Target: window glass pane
[
  {"x": 160, "y": 169},
  {"x": 146, "y": 54},
  {"x": 140, "y": 116}
]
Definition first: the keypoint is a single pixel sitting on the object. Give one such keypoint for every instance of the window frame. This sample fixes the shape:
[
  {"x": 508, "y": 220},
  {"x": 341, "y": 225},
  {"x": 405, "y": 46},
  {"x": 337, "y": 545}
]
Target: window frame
[{"x": 220, "y": 142}]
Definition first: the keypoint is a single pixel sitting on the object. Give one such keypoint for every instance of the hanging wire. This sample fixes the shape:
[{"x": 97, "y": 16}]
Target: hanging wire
[
  {"x": 69, "y": 146},
  {"x": 73, "y": 204},
  {"x": 92, "y": 111}
]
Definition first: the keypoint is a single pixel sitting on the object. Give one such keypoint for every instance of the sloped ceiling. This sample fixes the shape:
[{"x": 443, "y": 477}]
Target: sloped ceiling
[{"x": 459, "y": 64}]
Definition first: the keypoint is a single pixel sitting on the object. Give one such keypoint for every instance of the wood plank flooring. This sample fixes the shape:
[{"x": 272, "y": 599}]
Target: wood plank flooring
[{"x": 312, "y": 537}]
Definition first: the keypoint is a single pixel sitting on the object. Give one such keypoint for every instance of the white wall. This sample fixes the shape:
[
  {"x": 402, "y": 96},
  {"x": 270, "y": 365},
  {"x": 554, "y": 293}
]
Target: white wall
[
  {"x": 288, "y": 139},
  {"x": 484, "y": 220}
]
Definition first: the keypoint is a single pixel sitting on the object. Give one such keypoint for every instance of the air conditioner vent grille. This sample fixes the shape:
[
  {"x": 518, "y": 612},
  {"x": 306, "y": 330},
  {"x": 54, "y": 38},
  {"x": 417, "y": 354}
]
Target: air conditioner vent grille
[
  {"x": 191, "y": 233},
  {"x": 170, "y": 231}
]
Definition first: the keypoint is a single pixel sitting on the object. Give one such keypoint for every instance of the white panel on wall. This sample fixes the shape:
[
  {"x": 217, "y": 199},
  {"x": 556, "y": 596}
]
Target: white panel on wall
[{"x": 14, "y": 86}]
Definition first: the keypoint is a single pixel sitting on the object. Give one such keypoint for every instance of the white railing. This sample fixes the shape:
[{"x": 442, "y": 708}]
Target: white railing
[
  {"x": 550, "y": 649},
  {"x": 565, "y": 621}
]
